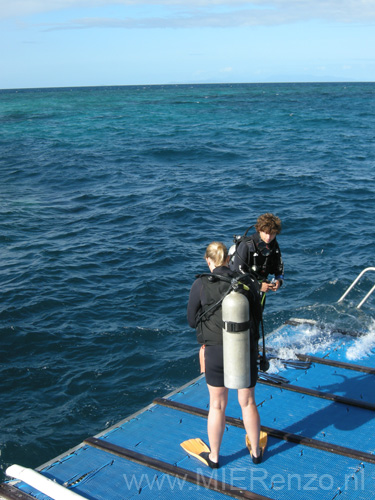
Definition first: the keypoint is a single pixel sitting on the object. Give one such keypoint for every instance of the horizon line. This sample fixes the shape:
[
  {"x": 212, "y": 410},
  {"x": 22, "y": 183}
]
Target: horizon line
[{"x": 186, "y": 84}]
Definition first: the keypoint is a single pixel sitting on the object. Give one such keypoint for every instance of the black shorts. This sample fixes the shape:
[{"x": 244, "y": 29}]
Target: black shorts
[{"x": 214, "y": 369}]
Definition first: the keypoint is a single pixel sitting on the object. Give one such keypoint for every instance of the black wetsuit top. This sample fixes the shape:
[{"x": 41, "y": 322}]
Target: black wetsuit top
[
  {"x": 206, "y": 293},
  {"x": 253, "y": 255}
]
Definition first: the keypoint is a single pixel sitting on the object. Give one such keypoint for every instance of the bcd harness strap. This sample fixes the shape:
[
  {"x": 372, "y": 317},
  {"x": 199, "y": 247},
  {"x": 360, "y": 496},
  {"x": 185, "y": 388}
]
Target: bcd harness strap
[
  {"x": 236, "y": 327},
  {"x": 234, "y": 285}
]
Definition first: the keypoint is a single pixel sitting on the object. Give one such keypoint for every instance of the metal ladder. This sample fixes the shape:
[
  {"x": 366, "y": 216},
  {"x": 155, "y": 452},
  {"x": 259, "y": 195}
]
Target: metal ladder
[{"x": 353, "y": 284}]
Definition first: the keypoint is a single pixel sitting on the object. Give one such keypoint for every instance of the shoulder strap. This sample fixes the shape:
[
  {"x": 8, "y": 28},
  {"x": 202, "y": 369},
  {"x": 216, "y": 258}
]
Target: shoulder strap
[
  {"x": 234, "y": 281},
  {"x": 245, "y": 233}
]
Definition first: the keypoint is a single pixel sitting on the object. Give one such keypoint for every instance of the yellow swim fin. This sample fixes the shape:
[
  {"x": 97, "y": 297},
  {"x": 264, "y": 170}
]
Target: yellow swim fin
[
  {"x": 198, "y": 449},
  {"x": 262, "y": 445}
]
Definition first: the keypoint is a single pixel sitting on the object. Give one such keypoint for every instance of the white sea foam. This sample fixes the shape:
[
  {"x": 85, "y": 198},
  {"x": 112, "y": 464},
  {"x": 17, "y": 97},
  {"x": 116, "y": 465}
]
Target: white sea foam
[
  {"x": 276, "y": 365},
  {"x": 363, "y": 346},
  {"x": 311, "y": 339},
  {"x": 307, "y": 339}
]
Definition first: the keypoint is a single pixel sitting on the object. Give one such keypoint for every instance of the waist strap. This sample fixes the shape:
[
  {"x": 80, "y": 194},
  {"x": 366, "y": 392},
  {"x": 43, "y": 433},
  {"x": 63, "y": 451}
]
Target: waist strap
[{"x": 229, "y": 326}]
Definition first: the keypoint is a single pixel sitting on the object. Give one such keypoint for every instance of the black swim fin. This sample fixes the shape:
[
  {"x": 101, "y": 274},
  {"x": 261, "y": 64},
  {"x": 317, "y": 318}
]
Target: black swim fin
[{"x": 262, "y": 447}]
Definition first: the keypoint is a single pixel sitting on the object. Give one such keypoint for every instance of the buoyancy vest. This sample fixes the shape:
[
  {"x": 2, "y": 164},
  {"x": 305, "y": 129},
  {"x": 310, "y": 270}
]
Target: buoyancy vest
[
  {"x": 262, "y": 259},
  {"x": 209, "y": 325}
]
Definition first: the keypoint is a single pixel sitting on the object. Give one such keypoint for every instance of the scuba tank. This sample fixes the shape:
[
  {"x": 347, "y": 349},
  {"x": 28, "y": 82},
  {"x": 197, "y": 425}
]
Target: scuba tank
[{"x": 236, "y": 341}]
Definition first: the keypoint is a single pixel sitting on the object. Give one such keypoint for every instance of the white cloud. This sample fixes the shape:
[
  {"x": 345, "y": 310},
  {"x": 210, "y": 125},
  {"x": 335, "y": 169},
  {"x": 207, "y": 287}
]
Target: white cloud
[{"x": 200, "y": 13}]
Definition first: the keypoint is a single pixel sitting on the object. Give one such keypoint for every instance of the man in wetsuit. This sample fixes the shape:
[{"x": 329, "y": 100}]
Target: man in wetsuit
[{"x": 260, "y": 253}]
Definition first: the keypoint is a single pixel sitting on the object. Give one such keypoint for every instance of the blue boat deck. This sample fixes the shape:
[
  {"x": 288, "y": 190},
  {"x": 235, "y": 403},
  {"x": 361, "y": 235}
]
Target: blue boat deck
[{"x": 321, "y": 440}]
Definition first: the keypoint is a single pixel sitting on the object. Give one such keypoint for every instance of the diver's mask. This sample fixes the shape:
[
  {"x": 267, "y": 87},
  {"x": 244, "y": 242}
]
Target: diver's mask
[{"x": 264, "y": 249}]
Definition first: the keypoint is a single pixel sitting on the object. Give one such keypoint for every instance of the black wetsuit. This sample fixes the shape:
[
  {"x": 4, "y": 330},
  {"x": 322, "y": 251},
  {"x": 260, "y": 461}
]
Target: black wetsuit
[
  {"x": 253, "y": 255},
  {"x": 204, "y": 294}
]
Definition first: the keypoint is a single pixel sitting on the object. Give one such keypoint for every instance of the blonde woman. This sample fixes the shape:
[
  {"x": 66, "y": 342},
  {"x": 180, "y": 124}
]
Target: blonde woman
[{"x": 204, "y": 314}]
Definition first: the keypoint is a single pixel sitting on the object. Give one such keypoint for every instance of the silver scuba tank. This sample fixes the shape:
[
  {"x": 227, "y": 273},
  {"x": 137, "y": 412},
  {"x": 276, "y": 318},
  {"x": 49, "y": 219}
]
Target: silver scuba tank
[{"x": 236, "y": 341}]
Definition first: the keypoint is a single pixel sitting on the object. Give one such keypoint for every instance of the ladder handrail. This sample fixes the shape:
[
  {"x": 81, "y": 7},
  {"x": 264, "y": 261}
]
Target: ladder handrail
[{"x": 355, "y": 282}]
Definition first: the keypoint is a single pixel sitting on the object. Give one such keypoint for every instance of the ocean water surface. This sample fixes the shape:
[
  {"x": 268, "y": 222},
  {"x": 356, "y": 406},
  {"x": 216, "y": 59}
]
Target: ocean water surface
[{"x": 109, "y": 197}]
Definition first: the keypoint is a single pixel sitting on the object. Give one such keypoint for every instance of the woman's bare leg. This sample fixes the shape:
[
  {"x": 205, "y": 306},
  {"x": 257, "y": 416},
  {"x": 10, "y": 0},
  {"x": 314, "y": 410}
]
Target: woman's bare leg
[
  {"x": 216, "y": 419},
  {"x": 250, "y": 416}
]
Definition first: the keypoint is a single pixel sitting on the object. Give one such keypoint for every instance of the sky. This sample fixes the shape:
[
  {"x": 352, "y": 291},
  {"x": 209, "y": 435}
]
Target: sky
[{"x": 70, "y": 43}]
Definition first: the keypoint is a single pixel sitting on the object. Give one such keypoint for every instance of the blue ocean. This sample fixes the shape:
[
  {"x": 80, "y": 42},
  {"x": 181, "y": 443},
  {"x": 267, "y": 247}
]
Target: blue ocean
[{"x": 109, "y": 197}]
